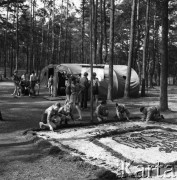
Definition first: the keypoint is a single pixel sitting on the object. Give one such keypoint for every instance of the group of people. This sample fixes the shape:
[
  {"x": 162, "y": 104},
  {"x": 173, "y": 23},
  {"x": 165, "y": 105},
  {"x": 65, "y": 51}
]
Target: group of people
[
  {"x": 77, "y": 97},
  {"x": 122, "y": 113},
  {"x": 25, "y": 85},
  {"x": 56, "y": 114},
  {"x": 77, "y": 89}
]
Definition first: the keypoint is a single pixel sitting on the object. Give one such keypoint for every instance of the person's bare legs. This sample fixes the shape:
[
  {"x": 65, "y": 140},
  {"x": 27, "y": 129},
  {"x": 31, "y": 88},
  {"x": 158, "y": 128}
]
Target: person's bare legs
[
  {"x": 96, "y": 100},
  {"x": 41, "y": 125},
  {"x": 79, "y": 111},
  {"x": 15, "y": 91},
  {"x": 51, "y": 91}
]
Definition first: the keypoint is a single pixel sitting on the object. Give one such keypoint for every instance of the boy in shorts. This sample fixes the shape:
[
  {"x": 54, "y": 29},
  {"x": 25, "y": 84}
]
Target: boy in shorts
[
  {"x": 47, "y": 121},
  {"x": 151, "y": 113},
  {"x": 122, "y": 112},
  {"x": 101, "y": 111},
  {"x": 65, "y": 112}
]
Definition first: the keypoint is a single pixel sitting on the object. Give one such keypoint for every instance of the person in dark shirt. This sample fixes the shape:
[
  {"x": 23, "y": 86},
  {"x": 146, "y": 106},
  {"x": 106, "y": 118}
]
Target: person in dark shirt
[
  {"x": 84, "y": 93},
  {"x": 95, "y": 89},
  {"x": 101, "y": 111},
  {"x": 151, "y": 113},
  {"x": 16, "y": 80},
  {"x": 122, "y": 112}
]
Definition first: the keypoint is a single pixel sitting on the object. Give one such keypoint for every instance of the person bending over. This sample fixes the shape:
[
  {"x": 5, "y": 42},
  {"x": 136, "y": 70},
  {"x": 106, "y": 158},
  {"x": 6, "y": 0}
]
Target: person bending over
[
  {"x": 122, "y": 112},
  {"x": 65, "y": 112},
  {"x": 102, "y": 111},
  {"x": 151, "y": 113},
  {"x": 48, "y": 117}
]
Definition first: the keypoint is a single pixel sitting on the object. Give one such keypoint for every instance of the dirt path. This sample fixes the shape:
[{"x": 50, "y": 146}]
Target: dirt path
[{"x": 22, "y": 157}]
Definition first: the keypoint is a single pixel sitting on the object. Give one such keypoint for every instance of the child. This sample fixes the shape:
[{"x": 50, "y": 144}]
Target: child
[
  {"x": 65, "y": 112},
  {"x": 76, "y": 88},
  {"x": 16, "y": 80},
  {"x": 47, "y": 121},
  {"x": 50, "y": 85},
  {"x": 95, "y": 89},
  {"x": 68, "y": 87},
  {"x": 122, "y": 112},
  {"x": 102, "y": 111},
  {"x": 151, "y": 113}
]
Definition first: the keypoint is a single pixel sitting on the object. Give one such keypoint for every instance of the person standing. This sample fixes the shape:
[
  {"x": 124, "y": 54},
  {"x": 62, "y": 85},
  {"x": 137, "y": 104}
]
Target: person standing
[
  {"x": 68, "y": 87},
  {"x": 95, "y": 89},
  {"x": 50, "y": 85},
  {"x": 16, "y": 80},
  {"x": 76, "y": 89},
  {"x": 32, "y": 82},
  {"x": 84, "y": 93}
]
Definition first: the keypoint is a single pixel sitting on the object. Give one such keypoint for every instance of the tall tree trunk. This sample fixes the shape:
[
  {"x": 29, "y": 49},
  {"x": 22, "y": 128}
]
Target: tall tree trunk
[
  {"x": 145, "y": 49},
  {"x": 91, "y": 58},
  {"x": 138, "y": 40},
  {"x": 95, "y": 7},
  {"x": 31, "y": 38},
  {"x": 53, "y": 35},
  {"x": 6, "y": 49},
  {"x": 59, "y": 39},
  {"x": 27, "y": 58},
  {"x": 164, "y": 58},
  {"x": 83, "y": 31},
  {"x": 130, "y": 56},
  {"x": 66, "y": 34},
  {"x": 105, "y": 33},
  {"x": 111, "y": 48},
  {"x": 152, "y": 65},
  {"x": 34, "y": 39},
  {"x": 17, "y": 40},
  {"x": 42, "y": 40},
  {"x": 100, "y": 49},
  {"x": 48, "y": 60}
]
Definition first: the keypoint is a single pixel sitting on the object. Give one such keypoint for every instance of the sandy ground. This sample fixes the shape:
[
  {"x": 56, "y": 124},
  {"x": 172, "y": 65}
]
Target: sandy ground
[{"x": 25, "y": 157}]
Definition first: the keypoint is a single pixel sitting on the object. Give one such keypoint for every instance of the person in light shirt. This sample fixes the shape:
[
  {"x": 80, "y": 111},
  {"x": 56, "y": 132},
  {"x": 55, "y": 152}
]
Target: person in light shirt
[
  {"x": 48, "y": 117},
  {"x": 33, "y": 79}
]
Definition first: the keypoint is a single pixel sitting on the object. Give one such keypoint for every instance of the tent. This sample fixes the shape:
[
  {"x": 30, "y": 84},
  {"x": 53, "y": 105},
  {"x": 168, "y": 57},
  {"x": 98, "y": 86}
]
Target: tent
[
  {"x": 119, "y": 75},
  {"x": 46, "y": 72}
]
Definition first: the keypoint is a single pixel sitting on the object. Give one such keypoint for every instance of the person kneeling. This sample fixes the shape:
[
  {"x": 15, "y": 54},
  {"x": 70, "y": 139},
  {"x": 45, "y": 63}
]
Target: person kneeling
[
  {"x": 122, "y": 112},
  {"x": 102, "y": 111},
  {"x": 151, "y": 113},
  {"x": 65, "y": 112},
  {"x": 48, "y": 117}
]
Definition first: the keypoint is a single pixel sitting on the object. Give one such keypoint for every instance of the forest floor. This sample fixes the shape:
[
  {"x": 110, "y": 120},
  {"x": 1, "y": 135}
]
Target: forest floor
[{"x": 24, "y": 156}]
